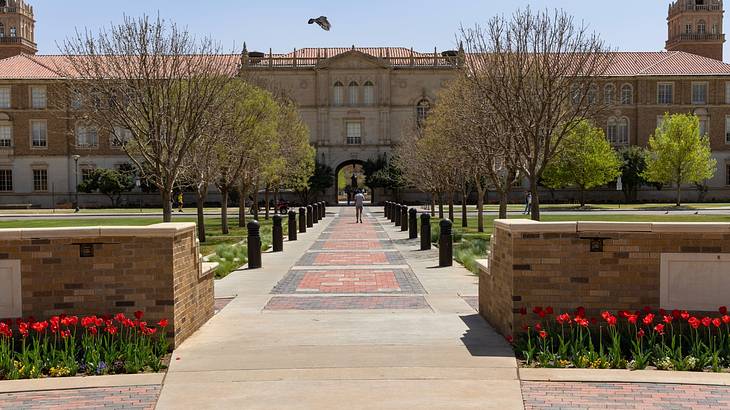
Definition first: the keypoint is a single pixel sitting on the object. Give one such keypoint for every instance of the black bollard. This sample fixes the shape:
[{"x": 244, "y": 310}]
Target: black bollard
[
  {"x": 404, "y": 218},
  {"x": 292, "y": 225},
  {"x": 412, "y": 224},
  {"x": 393, "y": 207},
  {"x": 254, "y": 244},
  {"x": 321, "y": 211},
  {"x": 277, "y": 233},
  {"x": 446, "y": 244},
  {"x": 397, "y": 214},
  {"x": 324, "y": 209},
  {"x": 385, "y": 209},
  {"x": 302, "y": 220},
  {"x": 425, "y": 231},
  {"x": 315, "y": 212},
  {"x": 310, "y": 216}
]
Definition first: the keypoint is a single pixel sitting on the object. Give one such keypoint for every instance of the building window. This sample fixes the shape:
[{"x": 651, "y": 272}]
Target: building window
[
  {"x": 727, "y": 92},
  {"x": 354, "y": 133},
  {"x": 627, "y": 94},
  {"x": 86, "y": 172},
  {"x": 120, "y": 137},
  {"x": 352, "y": 92},
  {"x": 665, "y": 93},
  {"x": 6, "y": 136},
  {"x": 699, "y": 93},
  {"x": 688, "y": 28},
  {"x": 39, "y": 134},
  {"x": 704, "y": 126},
  {"x": 727, "y": 174},
  {"x": 575, "y": 96},
  {"x": 87, "y": 137},
  {"x": 612, "y": 131},
  {"x": 38, "y": 97},
  {"x": 727, "y": 129},
  {"x": 592, "y": 93},
  {"x": 4, "y": 97},
  {"x": 608, "y": 94},
  {"x": 13, "y": 31},
  {"x": 422, "y": 109},
  {"x": 338, "y": 93},
  {"x": 714, "y": 29},
  {"x": 6, "y": 180},
  {"x": 40, "y": 180},
  {"x": 2, "y": 30},
  {"x": 701, "y": 27},
  {"x": 617, "y": 131},
  {"x": 368, "y": 93}
]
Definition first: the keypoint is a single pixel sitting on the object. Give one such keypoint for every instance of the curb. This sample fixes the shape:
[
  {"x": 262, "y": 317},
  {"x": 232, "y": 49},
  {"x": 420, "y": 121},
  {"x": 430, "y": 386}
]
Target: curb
[
  {"x": 80, "y": 382},
  {"x": 623, "y": 376}
]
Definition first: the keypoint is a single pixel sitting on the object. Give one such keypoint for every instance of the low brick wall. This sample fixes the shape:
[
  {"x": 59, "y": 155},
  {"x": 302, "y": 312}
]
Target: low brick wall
[
  {"x": 105, "y": 270},
  {"x": 603, "y": 266}
]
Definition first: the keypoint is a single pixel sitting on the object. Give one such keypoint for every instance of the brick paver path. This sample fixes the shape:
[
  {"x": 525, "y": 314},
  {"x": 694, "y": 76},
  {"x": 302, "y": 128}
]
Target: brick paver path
[
  {"x": 572, "y": 395},
  {"x": 350, "y": 267},
  {"x": 130, "y": 397}
]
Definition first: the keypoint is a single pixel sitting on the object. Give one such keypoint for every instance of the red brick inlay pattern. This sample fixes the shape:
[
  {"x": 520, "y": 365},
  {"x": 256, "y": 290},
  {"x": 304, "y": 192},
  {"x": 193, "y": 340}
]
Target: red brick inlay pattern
[
  {"x": 346, "y": 302},
  {"x": 363, "y": 281},
  {"x": 129, "y": 397},
  {"x": 572, "y": 395},
  {"x": 347, "y": 245},
  {"x": 351, "y": 258}
]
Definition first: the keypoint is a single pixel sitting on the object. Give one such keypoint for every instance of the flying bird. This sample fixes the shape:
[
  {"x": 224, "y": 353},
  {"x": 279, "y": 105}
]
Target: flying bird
[{"x": 322, "y": 22}]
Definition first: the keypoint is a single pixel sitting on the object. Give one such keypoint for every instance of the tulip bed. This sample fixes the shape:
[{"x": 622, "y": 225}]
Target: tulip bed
[
  {"x": 69, "y": 345},
  {"x": 674, "y": 340}
]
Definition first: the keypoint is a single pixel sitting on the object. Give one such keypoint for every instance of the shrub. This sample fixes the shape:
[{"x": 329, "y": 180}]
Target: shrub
[{"x": 229, "y": 258}]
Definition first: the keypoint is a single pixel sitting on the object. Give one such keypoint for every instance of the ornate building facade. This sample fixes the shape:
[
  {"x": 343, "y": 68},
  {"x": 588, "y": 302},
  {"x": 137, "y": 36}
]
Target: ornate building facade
[{"x": 358, "y": 102}]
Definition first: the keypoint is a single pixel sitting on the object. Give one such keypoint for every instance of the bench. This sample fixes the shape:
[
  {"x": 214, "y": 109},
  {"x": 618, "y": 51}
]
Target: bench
[{"x": 16, "y": 206}]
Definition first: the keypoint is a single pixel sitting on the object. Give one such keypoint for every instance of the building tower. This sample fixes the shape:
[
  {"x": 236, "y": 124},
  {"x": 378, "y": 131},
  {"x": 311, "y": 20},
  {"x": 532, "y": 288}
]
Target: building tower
[
  {"x": 17, "y": 28},
  {"x": 695, "y": 26}
]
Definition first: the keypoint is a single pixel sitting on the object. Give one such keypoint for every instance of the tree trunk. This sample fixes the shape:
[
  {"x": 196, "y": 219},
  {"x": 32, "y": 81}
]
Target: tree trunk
[
  {"x": 241, "y": 205},
  {"x": 464, "y": 214},
  {"x": 166, "y": 193},
  {"x": 582, "y": 196},
  {"x": 441, "y": 206},
  {"x": 503, "y": 204},
  {"x": 679, "y": 194},
  {"x": 480, "y": 208},
  {"x": 266, "y": 206},
  {"x": 256, "y": 203},
  {"x": 451, "y": 206},
  {"x": 535, "y": 206},
  {"x": 224, "y": 209},
  {"x": 201, "y": 194},
  {"x": 433, "y": 205}
]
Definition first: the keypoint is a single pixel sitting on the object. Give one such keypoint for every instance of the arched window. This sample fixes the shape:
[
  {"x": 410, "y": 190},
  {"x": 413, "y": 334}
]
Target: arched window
[
  {"x": 612, "y": 131},
  {"x": 422, "y": 109},
  {"x": 609, "y": 94},
  {"x": 352, "y": 91},
  {"x": 368, "y": 93},
  {"x": 701, "y": 27},
  {"x": 338, "y": 93},
  {"x": 592, "y": 93},
  {"x": 627, "y": 94},
  {"x": 623, "y": 132},
  {"x": 13, "y": 31}
]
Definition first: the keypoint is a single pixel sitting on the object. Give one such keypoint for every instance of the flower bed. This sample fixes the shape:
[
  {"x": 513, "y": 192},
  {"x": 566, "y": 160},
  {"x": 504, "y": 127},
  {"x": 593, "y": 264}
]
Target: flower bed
[
  {"x": 664, "y": 340},
  {"x": 69, "y": 345}
]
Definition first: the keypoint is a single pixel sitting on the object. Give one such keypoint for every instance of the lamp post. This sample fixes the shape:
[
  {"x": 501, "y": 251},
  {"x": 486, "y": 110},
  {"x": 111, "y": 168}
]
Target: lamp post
[
  {"x": 76, "y": 177},
  {"x": 138, "y": 183}
]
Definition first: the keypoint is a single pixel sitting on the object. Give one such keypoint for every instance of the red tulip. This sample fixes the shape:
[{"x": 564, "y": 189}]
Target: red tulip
[
  {"x": 523, "y": 311},
  {"x": 632, "y": 319},
  {"x": 611, "y": 320},
  {"x": 93, "y": 330},
  {"x": 647, "y": 309},
  {"x": 112, "y": 330},
  {"x": 162, "y": 323},
  {"x": 662, "y": 312},
  {"x": 668, "y": 319},
  {"x": 694, "y": 322},
  {"x": 564, "y": 318},
  {"x": 716, "y": 322},
  {"x": 659, "y": 328},
  {"x": 726, "y": 319},
  {"x": 549, "y": 310},
  {"x": 119, "y": 317},
  {"x": 538, "y": 327},
  {"x": 510, "y": 339},
  {"x": 723, "y": 310},
  {"x": 138, "y": 314},
  {"x": 543, "y": 334},
  {"x": 580, "y": 311},
  {"x": 65, "y": 334},
  {"x": 684, "y": 315},
  {"x": 706, "y": 321},
  {"x": 648, "y": 319},
  {"x": 640, "y": 333},
  {"x": 676, "y": 314}
]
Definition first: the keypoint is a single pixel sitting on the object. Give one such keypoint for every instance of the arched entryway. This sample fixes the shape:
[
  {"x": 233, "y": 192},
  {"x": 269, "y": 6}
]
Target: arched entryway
[{"x": 350, "y": 177}]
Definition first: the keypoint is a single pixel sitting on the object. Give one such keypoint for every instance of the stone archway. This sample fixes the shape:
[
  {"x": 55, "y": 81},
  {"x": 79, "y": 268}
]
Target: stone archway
[{"x": 344, "y": 181}]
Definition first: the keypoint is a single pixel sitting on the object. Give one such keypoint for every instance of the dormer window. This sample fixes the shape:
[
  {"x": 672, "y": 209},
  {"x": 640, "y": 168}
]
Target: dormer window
[
  {"x": 338, "y": 94},
  {"x": 353, "y": 93}
]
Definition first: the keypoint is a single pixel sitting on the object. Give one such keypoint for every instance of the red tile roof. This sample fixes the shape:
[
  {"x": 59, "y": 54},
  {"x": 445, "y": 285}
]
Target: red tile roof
[{"x": 625, "y": 64}]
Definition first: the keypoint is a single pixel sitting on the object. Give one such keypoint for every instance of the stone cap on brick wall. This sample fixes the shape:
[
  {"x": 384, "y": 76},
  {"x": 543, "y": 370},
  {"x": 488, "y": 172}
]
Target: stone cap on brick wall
[
  {"x": 162, "y": 230},
  {"x": 527, "y": 225}
]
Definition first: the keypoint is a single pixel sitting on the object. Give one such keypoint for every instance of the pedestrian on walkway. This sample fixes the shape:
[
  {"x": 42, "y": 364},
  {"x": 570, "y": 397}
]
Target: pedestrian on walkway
[
  {"x": 180, "y": 201},
  {"x": 359, "y": 204},
  {"x": 528, "y": 203}
]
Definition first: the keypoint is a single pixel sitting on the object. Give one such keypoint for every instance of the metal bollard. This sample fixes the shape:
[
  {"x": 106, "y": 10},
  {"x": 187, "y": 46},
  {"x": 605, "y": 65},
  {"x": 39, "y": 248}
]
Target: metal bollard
[
  {"x": 277, "y": 233},
  {"x": 310, "y": 216},
  {"x": 412, "y": 224},
  {"x": 397, "y": 215},
  {"x": 385, "y": 209},
  {"x": 390, "y": 211},
  {"x": 302, "y": 220},
  {"x": 425, "y": 231},
  {"x": 292, "y": 225},
  {"x": 324, "y": 209},
  {"x": 404, "y": 218},
  {"x": 254, "y": 244},
  {"x": 321, "y": 210},
  {"x": 315, "y": 212},
  {"x": 446, "y": 243}
]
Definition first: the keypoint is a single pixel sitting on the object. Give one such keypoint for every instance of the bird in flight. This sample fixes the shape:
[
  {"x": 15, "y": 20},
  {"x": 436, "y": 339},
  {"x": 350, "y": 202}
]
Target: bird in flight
[{"x": 322, "y": 22}]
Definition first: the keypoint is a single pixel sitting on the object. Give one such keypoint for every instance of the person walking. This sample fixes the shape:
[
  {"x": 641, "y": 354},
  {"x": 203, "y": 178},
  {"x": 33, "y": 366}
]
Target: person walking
[
  {"x": 528, "y": 203},
  {"x": 180, "y": 201},
  {"x": 359, "y": 204}
]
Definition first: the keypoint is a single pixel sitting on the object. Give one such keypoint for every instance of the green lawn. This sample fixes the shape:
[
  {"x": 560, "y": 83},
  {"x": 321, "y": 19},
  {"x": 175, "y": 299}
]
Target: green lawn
[{"x": 602, "y": 207}]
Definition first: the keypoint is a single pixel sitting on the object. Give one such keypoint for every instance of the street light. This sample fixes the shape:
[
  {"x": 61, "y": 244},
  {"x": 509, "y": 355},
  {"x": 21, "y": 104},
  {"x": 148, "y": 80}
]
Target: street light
[
  {"x": 138, "y": 183},
  {"x": 76, "y": 176}
]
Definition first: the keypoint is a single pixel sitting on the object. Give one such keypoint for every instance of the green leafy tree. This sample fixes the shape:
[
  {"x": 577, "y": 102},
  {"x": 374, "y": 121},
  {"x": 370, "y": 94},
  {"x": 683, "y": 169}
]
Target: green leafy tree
[
  {"x": 634, "y": 164},
  {"x": 319, "y": 182},
  {"x": 585, "y": 160},
  {"x": 381, "y": 173},
  {"x": 109, "y": 182},
  {"x": 678, "y": 154}
]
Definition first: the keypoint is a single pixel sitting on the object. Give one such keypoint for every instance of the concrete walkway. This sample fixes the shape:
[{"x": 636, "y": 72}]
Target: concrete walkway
[{"x": 351, "y": 315}]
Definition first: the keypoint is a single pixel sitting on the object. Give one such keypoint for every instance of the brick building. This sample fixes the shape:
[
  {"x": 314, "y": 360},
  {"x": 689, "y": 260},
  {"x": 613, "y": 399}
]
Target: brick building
[{"x": 358, "y": 101}]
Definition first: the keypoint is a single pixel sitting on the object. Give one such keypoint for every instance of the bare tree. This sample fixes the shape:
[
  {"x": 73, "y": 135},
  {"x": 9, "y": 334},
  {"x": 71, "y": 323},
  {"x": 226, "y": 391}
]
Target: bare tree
[
  {"x": 537, "y": 72},
  {"x": 151, "y": 80}
]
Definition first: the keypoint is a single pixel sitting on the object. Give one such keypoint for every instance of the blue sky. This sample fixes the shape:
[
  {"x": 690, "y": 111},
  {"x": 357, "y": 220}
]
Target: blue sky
[{"x": 638, "y": 25}]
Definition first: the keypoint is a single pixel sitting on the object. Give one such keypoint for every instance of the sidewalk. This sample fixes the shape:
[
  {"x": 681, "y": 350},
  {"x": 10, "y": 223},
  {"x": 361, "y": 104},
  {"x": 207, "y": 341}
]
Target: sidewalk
[{"x": 356, "y": 318}]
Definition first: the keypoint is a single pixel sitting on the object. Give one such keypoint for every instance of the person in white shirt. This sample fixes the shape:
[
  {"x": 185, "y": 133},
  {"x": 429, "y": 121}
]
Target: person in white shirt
[{"x": 359, "y": 203}]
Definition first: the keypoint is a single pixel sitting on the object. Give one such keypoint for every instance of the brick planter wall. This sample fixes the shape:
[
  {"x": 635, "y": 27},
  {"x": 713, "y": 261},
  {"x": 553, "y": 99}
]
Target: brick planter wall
[
  {"x": 155, "y": 269},
  {"x": 552, "y": 264}
]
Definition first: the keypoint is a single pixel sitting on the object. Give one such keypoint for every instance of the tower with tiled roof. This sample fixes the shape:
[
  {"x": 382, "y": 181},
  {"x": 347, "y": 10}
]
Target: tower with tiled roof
[
  {"x": 17, "y": 28},
  {"x": 695, "y": 26}
]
